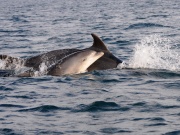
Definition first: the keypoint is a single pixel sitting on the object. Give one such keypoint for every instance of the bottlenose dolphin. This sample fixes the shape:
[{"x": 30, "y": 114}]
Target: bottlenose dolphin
[
  {"x": 75, "y": 63},
  {"x": 71, "y": 57}
]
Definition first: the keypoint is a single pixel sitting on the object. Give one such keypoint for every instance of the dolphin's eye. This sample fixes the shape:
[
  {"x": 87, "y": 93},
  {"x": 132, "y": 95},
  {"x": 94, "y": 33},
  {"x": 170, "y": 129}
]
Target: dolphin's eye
[{"x": 84, "y": 59}]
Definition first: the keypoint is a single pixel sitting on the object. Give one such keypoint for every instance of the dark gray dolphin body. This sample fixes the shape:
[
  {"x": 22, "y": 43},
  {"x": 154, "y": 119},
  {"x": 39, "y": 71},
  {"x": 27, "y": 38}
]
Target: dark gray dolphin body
[{"x": 106, "y": 61}]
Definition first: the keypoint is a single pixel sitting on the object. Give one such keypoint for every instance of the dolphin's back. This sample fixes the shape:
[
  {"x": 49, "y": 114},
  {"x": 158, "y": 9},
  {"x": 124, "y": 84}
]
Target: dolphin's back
[{"x": 48, "y": 58}]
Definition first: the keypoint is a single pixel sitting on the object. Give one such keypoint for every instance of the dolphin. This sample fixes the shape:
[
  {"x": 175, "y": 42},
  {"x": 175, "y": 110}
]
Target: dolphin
[
  {"x": 97, "y": 57},
  {"x": 74, "y": 63}
]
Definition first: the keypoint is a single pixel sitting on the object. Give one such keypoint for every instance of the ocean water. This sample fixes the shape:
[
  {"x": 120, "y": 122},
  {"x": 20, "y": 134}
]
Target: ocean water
[{"x": 141, "y": 96}]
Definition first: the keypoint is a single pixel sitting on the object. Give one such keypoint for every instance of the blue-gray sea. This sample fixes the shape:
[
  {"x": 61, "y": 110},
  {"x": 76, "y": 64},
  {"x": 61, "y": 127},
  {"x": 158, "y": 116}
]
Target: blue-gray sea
[{"x": 139, "y": 97}]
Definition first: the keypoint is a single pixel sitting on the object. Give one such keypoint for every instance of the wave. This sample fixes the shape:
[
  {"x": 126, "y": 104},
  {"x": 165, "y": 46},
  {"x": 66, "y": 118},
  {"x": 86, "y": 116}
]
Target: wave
[
  {"x": 155, "y": 107},
  {"x": 43, "y": 108},
  {"x": 114, "y": 130},
  {"x": 8, "y": 131},
  {"x": 155, "y": 73},
  {"x": 6, "y": 73},
  {"x": 100, "y": 106},
  {"x": 177, "y": 132},
  {"x": 144, "y": 25},
  {"x": 153, "y": 119},
  {"x": 19, "y": 18},
  {"x": 5, "y": 88},
  {"x": 11, "y": 106},
  {"x": 13, "y": 31}
]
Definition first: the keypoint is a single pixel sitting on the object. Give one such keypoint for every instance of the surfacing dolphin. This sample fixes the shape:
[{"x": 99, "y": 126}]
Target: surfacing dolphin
[
  {"x": 75, "y": 63},
  {"x": 70, "y": 61}
]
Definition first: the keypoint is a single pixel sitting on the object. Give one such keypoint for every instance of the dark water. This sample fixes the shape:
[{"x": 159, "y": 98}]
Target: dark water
[{"x": 141, "y": 96}]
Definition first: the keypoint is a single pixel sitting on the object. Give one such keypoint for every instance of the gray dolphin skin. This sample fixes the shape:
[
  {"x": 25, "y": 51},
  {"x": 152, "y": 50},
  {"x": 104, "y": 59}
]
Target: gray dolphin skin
[
  {"x": 76, "y": 63},
  {"x": 70, "y": 61}
]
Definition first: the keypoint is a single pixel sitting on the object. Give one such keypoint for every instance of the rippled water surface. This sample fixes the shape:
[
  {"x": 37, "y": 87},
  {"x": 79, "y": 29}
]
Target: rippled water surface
[{"x": 141, "y": 96}]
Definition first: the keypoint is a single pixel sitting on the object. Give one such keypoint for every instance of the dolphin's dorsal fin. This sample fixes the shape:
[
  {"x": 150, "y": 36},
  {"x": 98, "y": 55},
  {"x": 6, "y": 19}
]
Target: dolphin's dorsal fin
[{"x": 98, "y": 43}]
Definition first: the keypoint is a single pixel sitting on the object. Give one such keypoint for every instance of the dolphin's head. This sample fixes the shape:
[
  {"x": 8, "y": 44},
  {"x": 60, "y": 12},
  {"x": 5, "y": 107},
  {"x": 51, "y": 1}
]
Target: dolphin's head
[
  {"x": 87, "y": 58},
  {"x": 107, "y": 61}
]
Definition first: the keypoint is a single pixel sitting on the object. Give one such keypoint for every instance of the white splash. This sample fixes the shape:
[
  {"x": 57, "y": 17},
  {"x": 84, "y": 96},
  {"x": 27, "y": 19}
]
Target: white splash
[
  {"x": 42, "y": 70},
  {"x": 2, "y": 64},
  {"x": 155, "y": 52},
  {"x": 14, "y": 65}
]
